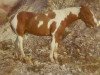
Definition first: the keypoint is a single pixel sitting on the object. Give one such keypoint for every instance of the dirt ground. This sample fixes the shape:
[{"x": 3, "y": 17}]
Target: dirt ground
[{"x": 78, "y": 54}]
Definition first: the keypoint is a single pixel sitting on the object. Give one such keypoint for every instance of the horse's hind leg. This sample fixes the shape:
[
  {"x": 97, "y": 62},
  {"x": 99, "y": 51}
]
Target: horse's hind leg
[
  {"x": 16, "y": 52},
  {"x": 20, "y": 45}
]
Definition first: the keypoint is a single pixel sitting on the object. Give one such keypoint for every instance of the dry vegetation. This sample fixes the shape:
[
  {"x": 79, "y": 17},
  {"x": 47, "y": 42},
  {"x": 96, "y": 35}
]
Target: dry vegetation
[{"x": 79, "y": 52}]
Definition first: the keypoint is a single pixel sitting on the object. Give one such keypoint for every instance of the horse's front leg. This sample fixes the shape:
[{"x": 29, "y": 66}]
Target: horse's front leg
[{"x": 54, "y": 47}]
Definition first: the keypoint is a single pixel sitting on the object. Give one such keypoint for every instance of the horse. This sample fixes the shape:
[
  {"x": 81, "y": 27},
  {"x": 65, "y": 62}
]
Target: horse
[{"x": 51, "y": 23}]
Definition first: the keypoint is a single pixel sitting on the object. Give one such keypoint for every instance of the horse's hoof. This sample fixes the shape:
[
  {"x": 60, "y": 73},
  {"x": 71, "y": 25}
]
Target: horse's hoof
[
  {"x": 52, "y": 60},
  {"x": 28, "y": 60}
]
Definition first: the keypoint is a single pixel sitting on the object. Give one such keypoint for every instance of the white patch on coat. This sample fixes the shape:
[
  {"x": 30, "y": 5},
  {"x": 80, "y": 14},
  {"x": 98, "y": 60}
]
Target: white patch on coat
[
  {"x": 95, "y": 20},
  {"x": 14, "y": 23},
  {"x": 62, "y": 14},
  {"x": 40, "y": 23},
  {"x": 46, "y": 14}
]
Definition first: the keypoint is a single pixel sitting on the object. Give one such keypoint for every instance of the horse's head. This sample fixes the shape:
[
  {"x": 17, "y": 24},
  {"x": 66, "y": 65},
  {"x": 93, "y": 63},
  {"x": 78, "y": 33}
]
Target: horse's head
[{"x": 87, "y": 16}]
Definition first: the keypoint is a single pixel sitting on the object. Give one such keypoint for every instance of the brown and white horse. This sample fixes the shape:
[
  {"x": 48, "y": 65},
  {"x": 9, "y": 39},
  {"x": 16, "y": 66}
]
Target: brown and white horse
[{"x": 52, "y": 23}]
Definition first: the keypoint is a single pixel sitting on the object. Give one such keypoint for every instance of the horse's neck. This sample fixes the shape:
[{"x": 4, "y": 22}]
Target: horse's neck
[{"x": 71, "y": 18}]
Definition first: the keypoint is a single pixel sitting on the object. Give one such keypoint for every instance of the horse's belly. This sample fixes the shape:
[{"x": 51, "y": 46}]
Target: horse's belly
[{"x": 40, "y": 31}]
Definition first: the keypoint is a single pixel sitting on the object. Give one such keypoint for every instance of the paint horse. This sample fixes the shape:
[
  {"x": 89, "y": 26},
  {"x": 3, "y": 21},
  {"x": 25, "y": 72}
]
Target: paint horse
[{"x": 51, "y": 23}]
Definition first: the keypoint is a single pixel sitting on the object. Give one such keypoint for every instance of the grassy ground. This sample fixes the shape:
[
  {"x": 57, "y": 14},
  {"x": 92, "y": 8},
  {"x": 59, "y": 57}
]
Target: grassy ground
[{"x": 78, "y": 53}]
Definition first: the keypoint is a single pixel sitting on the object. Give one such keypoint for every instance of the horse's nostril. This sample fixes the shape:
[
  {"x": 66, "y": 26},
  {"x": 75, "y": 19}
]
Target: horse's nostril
[{"x": 92, "y": 27}]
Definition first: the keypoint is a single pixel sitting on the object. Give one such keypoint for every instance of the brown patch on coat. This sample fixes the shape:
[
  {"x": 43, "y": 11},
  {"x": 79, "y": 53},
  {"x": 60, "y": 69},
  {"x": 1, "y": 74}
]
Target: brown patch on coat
[
  {"x": 51, "y": 14},
  {"x": 28, "y": 24},
  {"x": 71, "y": 18}
]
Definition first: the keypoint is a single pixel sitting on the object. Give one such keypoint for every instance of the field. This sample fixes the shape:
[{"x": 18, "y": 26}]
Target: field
[{"x": 78, "y": 53}]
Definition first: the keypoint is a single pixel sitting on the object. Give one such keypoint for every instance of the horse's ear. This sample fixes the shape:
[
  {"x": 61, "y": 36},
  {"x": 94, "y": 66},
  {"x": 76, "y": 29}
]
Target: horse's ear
[{"x": 82, "y": 5}]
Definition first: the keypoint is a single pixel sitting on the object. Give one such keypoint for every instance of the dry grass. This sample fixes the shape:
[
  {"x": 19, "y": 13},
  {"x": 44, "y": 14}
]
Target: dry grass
[{"x": 78, "y": 54}]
